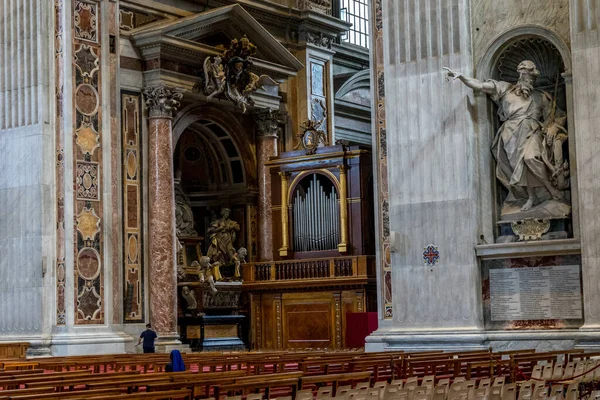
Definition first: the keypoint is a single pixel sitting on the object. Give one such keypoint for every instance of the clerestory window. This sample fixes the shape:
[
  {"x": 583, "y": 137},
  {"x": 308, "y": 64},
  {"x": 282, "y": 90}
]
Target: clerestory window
[{"x": 356, "y": 12}]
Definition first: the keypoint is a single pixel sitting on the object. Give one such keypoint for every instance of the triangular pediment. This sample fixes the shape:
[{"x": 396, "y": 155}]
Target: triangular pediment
[{"x": 213, "y": 30}]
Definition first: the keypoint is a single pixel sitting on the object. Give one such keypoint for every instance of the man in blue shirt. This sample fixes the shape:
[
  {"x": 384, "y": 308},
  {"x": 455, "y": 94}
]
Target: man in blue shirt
[{"x": 148, "y": 336}]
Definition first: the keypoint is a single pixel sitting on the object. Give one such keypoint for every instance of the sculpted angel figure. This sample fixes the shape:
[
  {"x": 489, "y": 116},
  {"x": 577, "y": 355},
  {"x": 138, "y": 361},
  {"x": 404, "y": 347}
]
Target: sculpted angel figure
[
  {"x": 528, "y": 144},
  {"x": 214, "y": 77}
]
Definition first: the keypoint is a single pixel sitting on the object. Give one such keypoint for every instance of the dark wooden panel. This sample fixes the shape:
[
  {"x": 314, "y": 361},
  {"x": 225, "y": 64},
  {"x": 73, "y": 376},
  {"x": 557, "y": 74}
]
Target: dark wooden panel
[
  {"x": 308, "y": 320},
  {"x": 268, "y": 321}
]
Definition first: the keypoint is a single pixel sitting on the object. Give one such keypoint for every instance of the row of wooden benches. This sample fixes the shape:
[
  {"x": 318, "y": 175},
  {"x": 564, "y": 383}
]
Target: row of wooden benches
[{"x": 219, "y": 373}]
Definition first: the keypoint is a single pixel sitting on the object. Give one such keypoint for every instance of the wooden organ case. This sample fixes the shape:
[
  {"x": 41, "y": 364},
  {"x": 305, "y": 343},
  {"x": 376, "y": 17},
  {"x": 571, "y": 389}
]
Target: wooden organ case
[{"x": 323, "y": 263}]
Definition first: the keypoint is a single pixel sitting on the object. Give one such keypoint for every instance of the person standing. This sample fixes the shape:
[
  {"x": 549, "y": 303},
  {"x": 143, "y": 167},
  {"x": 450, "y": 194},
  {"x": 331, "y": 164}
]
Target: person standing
[{"x": 148, "y": 337}]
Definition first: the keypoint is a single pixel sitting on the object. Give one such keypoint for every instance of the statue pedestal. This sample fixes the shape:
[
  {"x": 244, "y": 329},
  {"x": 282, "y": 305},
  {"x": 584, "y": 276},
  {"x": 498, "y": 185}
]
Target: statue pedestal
[
  {"x": 215, "y": 324},
  {"x": 534, "y": 229}
]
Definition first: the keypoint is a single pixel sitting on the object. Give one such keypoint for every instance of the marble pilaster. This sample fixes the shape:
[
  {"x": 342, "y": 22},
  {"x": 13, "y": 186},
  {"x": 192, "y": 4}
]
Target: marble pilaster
[
  {"x": 267, "y": 133},
  {"x": 432, "y": 178},
  {"x": 585, "y": 69},
  {"x": 161, "y": 102}
]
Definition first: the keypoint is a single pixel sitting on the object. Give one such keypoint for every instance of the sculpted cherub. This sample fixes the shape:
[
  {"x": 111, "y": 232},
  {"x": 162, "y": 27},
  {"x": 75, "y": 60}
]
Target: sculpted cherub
[
  {"x": 239, "y": 258},
  {"x": 214, "y": 77},
  {"x": 205, "y": 273}
]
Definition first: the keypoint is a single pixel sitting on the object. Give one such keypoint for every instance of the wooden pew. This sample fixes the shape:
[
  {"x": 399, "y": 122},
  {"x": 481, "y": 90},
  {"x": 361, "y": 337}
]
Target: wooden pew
[
  {"x": 79, "y": 394},
  {"x": 257, "y": 382},
  {"x": 314, "y": 381},
  {"x": 183, "y": 394}
]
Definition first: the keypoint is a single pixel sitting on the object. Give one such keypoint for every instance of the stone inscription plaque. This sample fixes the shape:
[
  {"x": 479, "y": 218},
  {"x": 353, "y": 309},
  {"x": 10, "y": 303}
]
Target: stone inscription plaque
[{"x": 535, "y": 293}]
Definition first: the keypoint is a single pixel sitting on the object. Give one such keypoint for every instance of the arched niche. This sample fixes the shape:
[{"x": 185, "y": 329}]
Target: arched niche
[
  {"x": 553, "y": 59},
  {"x": 223, "y": 123},
  {"x": 215, "y": 168}
]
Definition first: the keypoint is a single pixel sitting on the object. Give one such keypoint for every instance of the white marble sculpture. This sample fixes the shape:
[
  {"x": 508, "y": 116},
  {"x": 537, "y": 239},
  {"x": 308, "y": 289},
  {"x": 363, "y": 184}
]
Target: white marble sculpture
[{"x": 528, "y": 146}]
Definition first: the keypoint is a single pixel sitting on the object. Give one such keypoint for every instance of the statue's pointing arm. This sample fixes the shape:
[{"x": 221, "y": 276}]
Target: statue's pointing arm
[{"x": 487, "y": 86}]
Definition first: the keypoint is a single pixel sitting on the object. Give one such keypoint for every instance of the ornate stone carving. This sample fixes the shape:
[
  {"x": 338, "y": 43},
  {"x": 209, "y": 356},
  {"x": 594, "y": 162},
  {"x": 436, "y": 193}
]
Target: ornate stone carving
[
  {"x": 268, "y": 121},
  {"x": 318, "y": 39},
  {"x": 229, "y": 76},
  {"x": 528, "y": 147},
  {"x": 530, "y": 228},
  {"x": 322, "y": 6},
  {"x": 162, "y": 101},
  {"x": 225, "y": 298},
  {"x": 190, "y": 298},
  {"x": 311, "y": 136}
]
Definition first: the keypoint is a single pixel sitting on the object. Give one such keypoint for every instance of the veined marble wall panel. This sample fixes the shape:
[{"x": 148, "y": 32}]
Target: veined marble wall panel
[
  {"x": 25, "y": 219},
  {"x": 490, "y": 19},
  {"x": 432, "y": 164},
  {"x": 22, "y": 223},
  {"x": 380, "y": 179},
  {"x": 21, "y": 63},
  {"x": 585, "y": 43}
]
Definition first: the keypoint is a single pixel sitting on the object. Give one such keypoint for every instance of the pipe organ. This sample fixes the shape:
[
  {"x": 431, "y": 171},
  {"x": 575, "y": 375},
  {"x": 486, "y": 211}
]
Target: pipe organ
[
  {"x": 316, "y": 215},
  {"x": 323, "y": 263}
]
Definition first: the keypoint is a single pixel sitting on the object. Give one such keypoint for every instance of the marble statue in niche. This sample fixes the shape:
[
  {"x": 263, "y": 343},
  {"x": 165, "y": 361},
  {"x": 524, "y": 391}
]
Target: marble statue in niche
[
  {"x": 184, "y": 217},
  {"x": 222, "y": 234},
  {"x": 528, "y": 146}
]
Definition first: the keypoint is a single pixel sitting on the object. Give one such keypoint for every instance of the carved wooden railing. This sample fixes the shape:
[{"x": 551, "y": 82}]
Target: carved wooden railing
[{"x": 308, "y": 269}]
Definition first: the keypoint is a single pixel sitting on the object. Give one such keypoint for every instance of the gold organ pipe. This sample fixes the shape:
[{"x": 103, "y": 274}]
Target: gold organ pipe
[
  {"x": 285, "y": 248},
  {"x": 343, "y": 245}
]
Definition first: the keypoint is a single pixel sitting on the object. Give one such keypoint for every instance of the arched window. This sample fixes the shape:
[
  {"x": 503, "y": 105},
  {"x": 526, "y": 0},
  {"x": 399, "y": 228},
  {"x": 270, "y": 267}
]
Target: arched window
[{"x": 316, "y": 217}]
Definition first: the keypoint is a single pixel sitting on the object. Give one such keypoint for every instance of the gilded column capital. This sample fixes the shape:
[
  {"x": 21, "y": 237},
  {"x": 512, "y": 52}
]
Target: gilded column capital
[
  {"x": 284, "y": 175},
  {"x": 267, "y": 122},
  {"x": 162, "y": 101}
]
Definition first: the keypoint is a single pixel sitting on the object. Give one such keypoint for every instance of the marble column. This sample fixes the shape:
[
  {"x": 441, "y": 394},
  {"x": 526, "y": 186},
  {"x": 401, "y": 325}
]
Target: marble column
[
  {"x": 267, "y": 132},
  {"x": 162, "y": 102}
]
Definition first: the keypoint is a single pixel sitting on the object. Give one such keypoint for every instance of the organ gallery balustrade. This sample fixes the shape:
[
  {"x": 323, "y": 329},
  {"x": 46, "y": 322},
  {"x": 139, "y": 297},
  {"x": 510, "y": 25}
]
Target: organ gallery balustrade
[{"x": 336, "y": 268}]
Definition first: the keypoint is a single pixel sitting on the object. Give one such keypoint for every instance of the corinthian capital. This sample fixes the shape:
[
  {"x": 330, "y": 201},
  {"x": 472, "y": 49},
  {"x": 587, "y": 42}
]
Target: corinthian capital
[
  {"x": 162, "y": 101},
  {"x": 268, "y": 121}
]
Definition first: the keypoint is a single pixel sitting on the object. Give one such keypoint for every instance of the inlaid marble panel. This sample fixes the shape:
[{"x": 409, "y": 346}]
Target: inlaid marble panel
[
  {"x": 131, "y": 153},
  {"x": 88, "y": 165},
  {"x": 380, "y": 147}
]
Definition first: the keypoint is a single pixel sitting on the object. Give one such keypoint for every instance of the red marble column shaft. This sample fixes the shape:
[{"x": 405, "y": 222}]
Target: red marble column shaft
[
  {"x": 267, "y": 131},
  {"x": 161, "y": 228},
  {"x": 162, "y": 102},
  {"x": 266, "y": 146}
]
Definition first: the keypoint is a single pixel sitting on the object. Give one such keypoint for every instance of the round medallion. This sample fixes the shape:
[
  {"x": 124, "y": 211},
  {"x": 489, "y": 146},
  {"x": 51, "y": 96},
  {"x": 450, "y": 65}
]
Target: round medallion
[
  {"x": 88, "y": 263},
  {"x": 86, "y": 99}
]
